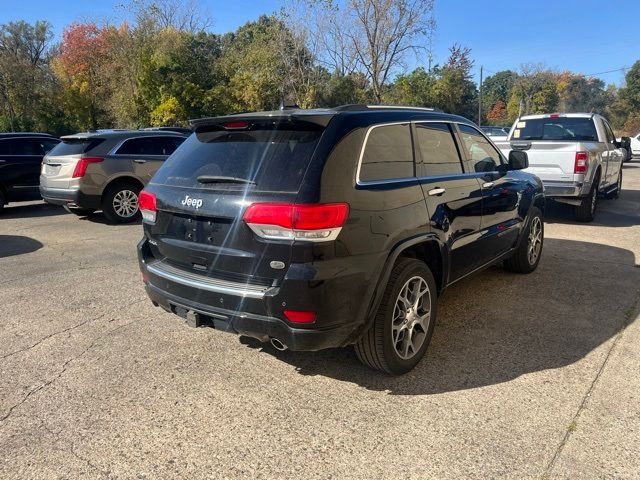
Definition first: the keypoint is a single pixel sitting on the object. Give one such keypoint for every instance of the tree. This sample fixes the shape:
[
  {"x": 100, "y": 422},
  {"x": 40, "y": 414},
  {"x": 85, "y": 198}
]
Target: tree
[
  {"x": 496, "y": 89},
  {"x": 25, "y": 83},
  {"x": 454, "y": 90},
  {"x": 384, "y": 32},
  {"x": 80, "y": 67},
  {"x": 498, "y": 113},
  {"x": 414, "y": 89},
  {"x": 182, "y": 15}
]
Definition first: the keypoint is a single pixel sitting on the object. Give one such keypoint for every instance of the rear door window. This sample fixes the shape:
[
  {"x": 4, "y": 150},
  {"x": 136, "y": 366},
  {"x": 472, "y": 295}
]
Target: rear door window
[
  {"x": 482, "y": 155},
  {"x": 156, "y": 146},
  {"x": 387, "y": 154},
  {"x": 437, "y": 149},
  {"x": 274, "y": 157}
]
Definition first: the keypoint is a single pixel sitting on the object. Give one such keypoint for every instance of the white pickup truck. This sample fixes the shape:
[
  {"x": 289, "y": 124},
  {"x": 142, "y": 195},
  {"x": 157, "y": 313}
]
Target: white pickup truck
[{"x": 576, "y": 155}]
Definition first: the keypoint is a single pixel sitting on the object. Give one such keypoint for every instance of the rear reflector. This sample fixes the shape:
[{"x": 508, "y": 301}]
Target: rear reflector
[
  {"x": 147, "y": 206},
  {"x": 83, "y": 163},
  {"x": 310, "y": 222},
  {"x": 582, "y": 162},
  {"x": 299, "y": 316}
]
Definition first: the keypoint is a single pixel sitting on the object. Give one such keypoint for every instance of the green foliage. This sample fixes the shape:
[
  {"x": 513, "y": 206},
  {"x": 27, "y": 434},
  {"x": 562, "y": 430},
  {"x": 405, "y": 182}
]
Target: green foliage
[{"x": 165, "y": 69}]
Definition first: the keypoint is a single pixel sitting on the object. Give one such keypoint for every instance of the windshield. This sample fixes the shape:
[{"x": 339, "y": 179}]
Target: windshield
[
  {"x": 564, "y": 128},
  {"x": 275, "y": 159}
]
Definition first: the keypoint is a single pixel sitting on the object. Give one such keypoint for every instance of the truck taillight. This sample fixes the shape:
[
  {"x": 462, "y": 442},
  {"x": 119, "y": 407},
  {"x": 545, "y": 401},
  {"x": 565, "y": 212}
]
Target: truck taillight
[
  {"x": 292, "y": 221},
  {"x": 83, "y": 163},
  {"x": 582, "y": 162},
  {"x": 147, "y": 206}
]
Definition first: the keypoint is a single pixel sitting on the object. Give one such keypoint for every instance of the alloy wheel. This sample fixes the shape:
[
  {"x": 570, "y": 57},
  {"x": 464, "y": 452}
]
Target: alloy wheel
[
  {"x": 411, "y": 317},
  {"x": 535, "y": 241},
  {"x": 125, "y": 203}
]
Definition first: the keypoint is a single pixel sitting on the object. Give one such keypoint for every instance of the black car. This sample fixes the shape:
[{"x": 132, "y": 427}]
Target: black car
[
  {"x": 323, "y": 228},
  {"x": 20, "y": 162}
]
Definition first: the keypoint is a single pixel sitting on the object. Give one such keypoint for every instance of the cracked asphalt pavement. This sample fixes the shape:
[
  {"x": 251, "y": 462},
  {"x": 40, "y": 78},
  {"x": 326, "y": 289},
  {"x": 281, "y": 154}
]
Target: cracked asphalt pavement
[{"x": 526, "y": 377}]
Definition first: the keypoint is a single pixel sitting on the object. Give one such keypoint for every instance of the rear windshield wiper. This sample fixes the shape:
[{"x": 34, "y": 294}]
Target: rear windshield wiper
[{"x": 222, "y": 179}]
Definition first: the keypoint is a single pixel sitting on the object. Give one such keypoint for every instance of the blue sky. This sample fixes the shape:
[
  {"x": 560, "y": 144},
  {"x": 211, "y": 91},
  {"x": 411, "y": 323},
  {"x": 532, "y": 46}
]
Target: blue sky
[{"x": 585, "y": 36}]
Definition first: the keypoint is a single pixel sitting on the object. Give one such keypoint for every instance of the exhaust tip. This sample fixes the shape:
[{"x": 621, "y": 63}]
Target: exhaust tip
[{"x": 278, "y": 345}]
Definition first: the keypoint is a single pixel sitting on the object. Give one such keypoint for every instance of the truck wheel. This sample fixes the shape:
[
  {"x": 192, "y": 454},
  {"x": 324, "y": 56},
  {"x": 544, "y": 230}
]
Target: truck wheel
[
  {"x": 587, "y": 208},
  {"x": 616, "y": 193},
  {"x": 120, "y": 203},
  {"x": 528, "y": 252},
  {"x": 404, "y": 322}
]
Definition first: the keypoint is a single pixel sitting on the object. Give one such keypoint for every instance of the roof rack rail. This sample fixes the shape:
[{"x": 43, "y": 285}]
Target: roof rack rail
[{"x": 360, "y": 107}]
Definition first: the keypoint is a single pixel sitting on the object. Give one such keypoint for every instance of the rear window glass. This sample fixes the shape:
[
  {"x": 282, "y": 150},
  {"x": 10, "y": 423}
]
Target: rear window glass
[
  {"x": 563, "y": 128},
  {"x": 437, "y": 149},
  {"x": 274, "y": 158},
  {"x": 75, "y": 146}
]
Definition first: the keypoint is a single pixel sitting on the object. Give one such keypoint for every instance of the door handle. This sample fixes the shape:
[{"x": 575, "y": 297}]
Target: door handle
[
  {"x": 436, "y": 192},
  {"x": 487, "y": 185},
  {"x": 140, "y": 161}
]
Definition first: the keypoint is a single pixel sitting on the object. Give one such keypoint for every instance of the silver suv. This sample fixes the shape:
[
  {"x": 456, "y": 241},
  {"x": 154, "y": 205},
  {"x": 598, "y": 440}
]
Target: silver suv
[{"x": 105, "y": 170}]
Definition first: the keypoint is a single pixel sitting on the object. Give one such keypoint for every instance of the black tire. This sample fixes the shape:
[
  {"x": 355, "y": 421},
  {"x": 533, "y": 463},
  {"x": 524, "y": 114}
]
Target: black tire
[
  {"x": 615, "y": 194},
  {"x": 587, "y": 208},
  {"x": 523, "y": 260},
  {"x": 110, "y": 212},
  {"x": 81, "y": 212},
  {"x": 376, "y": 347}
]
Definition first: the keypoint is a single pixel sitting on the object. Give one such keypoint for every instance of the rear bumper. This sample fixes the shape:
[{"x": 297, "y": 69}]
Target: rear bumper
[
  {"x": 65, "y": 196},
  {"x": 338, "y": 296},
  {"x": 256, "y": 326},
  {"x": 565, "y": 189}
]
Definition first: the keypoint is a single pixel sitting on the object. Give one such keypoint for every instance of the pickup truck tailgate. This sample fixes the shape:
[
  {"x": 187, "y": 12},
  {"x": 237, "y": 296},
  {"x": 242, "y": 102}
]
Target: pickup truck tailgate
[{"x": 550, "y": 160}]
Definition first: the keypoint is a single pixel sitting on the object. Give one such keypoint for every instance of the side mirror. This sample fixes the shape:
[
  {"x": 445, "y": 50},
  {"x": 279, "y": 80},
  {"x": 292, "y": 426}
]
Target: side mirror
[{"x": 518, "y": 160}]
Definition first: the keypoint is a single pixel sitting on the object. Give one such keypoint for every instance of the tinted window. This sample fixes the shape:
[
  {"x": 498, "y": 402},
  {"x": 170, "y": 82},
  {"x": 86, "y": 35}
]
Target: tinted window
[
  {"x": 388, "y": 154},
  {"x": 274, "y": 158},
  {"x": 437, "y": 149},
  {"x": 23, "y": 146},
  {"x": 75, "y": 146},
  {"x": 484, "y": 158},
  {"x": 4, "y": 147},
  {"x": 148, "y": 146},
  {"x": 48, "y": 144},
  {"x": 562, "y": 128}
]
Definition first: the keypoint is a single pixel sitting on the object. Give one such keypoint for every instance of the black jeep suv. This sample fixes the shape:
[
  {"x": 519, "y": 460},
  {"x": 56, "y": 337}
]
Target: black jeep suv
[
  {"x": 20, "y": 163},
  {"x": 323, "y": 228}
]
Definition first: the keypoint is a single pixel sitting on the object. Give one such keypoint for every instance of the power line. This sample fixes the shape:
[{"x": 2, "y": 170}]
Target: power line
[{"x": 608, "y": 71}]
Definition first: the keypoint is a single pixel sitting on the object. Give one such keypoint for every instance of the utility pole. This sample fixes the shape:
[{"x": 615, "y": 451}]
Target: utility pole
[{"x": 480, "y": 99}]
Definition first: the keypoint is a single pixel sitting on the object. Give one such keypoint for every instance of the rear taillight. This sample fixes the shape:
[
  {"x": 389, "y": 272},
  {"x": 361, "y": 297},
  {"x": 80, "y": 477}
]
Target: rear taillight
[
  {"x": 147, "y": 206},
  {"x": 83, "y": 163},
  {"x": 282, "y": 221},
  {"x": 300, "y": 316},
  {"x": 582, "y": 162}
]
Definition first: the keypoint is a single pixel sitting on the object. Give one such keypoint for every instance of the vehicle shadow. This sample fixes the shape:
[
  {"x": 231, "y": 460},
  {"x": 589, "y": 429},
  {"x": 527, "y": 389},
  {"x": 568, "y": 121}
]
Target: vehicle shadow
[
  {"x": 497, "y": 326},
  {"x": 98, "y": 217},
  {"x": 30, "y": 210},
  {"x": 621, "y": 212},
  {"x": 12, "y": 245}
]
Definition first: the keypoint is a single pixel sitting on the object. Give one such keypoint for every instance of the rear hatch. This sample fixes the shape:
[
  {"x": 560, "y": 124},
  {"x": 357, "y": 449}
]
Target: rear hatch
[
  {"x": 59, "y": 164},
  {"x": 207, "y": 184},
  {"x": 552, "y": 142}
]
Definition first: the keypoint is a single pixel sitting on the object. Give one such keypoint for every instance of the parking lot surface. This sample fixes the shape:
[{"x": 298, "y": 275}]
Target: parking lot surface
[{"x": 527, "y": 376}]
